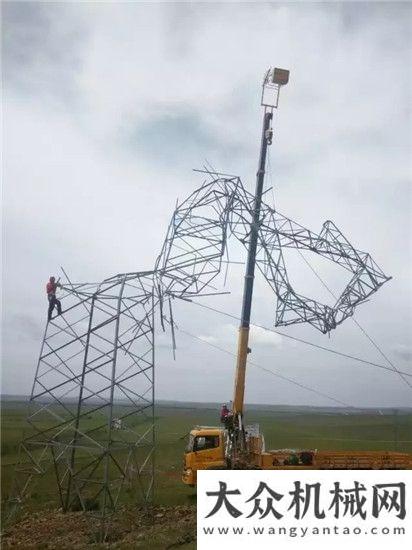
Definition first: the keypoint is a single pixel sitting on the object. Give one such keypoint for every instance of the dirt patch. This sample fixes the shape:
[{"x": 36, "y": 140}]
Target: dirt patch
[{"x": 159, "y": 527}]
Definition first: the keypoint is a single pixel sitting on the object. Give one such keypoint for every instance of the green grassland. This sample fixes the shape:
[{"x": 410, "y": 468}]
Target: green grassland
[{"x": 283, "y": 428}]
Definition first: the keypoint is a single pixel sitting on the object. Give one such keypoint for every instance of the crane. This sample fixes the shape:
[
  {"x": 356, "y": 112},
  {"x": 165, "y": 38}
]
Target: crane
[{"x": 235, "y": 445}]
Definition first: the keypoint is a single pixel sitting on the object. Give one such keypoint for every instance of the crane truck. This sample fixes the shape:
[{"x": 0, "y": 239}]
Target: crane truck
[{"x": 235, "y": 445}]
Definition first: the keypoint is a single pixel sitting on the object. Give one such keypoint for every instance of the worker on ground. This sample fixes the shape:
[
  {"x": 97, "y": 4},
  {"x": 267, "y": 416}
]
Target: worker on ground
[{"x": 51, "y": 288}]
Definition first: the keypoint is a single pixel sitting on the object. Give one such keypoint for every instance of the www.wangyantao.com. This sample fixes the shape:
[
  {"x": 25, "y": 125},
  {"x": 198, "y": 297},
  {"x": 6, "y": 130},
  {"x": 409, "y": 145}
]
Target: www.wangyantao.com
[{"x": 302, "y": 531}]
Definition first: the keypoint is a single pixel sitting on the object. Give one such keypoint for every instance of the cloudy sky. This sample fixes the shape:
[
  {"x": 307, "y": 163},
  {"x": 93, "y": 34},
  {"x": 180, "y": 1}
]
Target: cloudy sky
[{"x": 109, "y": 106}]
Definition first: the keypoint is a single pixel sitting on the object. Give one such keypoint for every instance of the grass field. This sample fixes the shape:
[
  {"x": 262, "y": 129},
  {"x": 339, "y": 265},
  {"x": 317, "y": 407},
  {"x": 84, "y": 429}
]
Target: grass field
[{"x": 283, "y": 428}]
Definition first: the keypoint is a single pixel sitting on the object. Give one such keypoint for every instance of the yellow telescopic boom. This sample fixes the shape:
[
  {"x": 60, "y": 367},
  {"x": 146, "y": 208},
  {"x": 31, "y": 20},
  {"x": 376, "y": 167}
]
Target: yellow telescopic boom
[{"x": 274, "y": 79}]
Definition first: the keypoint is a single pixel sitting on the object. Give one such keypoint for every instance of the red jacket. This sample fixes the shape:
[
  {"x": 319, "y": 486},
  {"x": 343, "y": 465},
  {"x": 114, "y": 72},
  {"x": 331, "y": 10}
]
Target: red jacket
[
  {"x": 51, "y": 288},
  {"x": 224, "y": 412}
]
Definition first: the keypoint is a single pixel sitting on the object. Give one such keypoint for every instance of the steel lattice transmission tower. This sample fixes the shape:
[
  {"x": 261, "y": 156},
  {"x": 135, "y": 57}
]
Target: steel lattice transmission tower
[
  {"x": 92, "y": 401},
  {"x": 91, "y": 405}
]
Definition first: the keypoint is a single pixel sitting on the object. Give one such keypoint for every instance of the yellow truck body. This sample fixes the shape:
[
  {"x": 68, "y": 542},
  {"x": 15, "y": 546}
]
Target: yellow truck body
[{"x": 207, "y": 450}]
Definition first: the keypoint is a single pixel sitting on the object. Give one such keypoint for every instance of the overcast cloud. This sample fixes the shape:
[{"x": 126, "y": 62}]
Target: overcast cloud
[{"x": 108, "y": 107}]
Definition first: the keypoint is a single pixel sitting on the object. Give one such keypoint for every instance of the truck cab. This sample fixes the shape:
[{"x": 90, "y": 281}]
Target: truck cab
[
  {"x": 205, "y": 450},
  {"x": 209, "y": 448}
]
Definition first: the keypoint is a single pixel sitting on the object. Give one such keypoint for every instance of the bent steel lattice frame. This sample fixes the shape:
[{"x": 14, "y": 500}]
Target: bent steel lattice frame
[
  {"x": 92, "y": 400},
  {"x": 277, "y": 232},
  {"x": 196, "y": 242}
]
